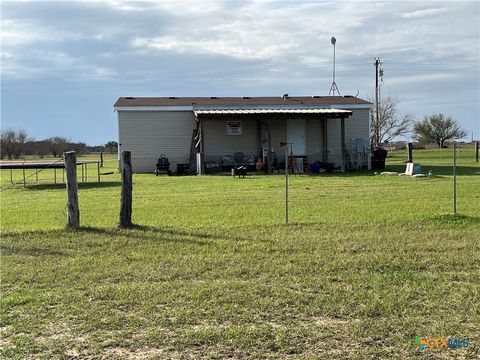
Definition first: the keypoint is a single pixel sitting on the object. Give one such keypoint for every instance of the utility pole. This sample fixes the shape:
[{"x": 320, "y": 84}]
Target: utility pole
[{"x": 376, "y": 139}]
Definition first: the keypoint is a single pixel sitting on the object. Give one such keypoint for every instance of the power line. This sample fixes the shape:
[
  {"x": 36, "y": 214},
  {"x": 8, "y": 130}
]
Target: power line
[
  {"x": 175, "y": 75},
  {"x": 123, "y": 75},
  {"x": 138, "y": 78},
  {"x": 156, "y": 75}
]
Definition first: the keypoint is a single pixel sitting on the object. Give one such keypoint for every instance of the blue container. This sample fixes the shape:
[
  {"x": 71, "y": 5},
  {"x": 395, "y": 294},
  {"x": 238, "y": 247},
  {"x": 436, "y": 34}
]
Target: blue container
[{"x": 314, "y": 168}]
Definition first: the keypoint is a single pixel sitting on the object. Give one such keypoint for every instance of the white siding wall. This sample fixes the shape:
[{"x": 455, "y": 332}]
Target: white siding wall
[
  {"x": 334, "y": 139},
  {"x": 356, "y": 126},
  {"x": 314, "y": 140},
  {"x": 279, "y": 134},
  {"x": 219, "y": 144},
  {"x": 147, "y": 134},
  {"x": 278, "y": 131}
]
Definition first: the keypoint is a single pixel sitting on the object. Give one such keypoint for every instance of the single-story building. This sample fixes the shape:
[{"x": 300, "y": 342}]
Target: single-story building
[{"x": 200, "y": 131}]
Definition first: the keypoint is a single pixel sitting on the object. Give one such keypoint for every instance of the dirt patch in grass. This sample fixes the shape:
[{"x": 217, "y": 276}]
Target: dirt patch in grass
[{"x": 122, "y": 353}]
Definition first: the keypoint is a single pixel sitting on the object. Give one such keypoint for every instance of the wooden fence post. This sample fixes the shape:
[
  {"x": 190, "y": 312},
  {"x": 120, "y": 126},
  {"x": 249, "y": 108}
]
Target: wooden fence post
[
  {"x": 476, "y": 151},
  {"x": 126, "y": 194},
  {"x": 101, "y": 158},
  {"x": 73, "y": 216}
]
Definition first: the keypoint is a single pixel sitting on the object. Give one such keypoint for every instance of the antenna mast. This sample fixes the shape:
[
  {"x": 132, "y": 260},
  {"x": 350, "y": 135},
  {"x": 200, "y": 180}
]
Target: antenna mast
[{"x": 334, "y": 87}]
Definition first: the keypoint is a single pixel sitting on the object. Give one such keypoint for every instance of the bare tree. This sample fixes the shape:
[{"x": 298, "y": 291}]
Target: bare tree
[
  {"x": 437, "y": 128},
  {"x": 39, "y": 148},
  {"x": 389, "y": 124},
  {"x": 13, "y": 143},
  {"x": 58, "y": 145},
  {"x": 78, "y": 147}
]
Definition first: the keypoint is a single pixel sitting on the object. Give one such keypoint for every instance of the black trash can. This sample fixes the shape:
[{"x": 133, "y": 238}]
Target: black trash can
[{"x": 378, "y": 158}]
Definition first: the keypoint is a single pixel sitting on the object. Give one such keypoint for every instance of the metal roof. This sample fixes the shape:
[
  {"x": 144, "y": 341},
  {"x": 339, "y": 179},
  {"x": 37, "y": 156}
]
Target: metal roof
[{"x": 239, "y": 101}]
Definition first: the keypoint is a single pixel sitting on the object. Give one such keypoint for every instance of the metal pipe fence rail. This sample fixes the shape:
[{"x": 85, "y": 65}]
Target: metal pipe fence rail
[{"x": 43, "y": 165}]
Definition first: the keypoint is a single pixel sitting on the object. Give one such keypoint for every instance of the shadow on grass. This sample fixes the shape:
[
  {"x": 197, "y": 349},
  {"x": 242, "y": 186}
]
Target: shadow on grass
[
  {"x": 149, "y": 232},
  {"x": 461, "y": 219},
  {"x": 136, "y": 232},
  {"x": 140, "y": 234},
  {"x": 32, "y": 251},
  {"x": 89, "y": 185}
]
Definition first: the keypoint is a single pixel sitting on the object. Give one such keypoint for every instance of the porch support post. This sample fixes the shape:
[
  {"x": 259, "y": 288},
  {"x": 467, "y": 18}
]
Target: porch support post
[
  {"x": 259, "y": 139},
  {"x": 342, "y": 127},
  {"x": 269, "y": 146},
  {"x": 202, "y": 148},
  {"x": 325, "y": 140}
]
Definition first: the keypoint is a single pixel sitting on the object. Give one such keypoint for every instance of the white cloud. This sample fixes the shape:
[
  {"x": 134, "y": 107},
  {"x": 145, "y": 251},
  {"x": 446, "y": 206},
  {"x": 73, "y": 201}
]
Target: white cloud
[
  {"x": 423, "y": 13},
  {"x": 256, "y": 30},
  {"x": 421, "y": 78},
  {"x": 21, "y": 32},
  {"x": 268, "y": 32},
  {"x": 126, "y": 5},
  {"x": 181, "y": 8},
  {"x": 189, "y": 8},
  {"x": 221, "y": 46}
]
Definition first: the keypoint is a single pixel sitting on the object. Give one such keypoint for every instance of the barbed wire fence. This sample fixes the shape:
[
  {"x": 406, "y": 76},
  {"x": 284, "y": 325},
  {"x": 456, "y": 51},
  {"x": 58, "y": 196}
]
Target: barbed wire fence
[{"x": 146, "y": 200}]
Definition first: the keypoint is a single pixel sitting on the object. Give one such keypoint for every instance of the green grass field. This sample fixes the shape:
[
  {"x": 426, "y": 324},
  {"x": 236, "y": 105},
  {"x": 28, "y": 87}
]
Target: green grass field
[{"x": 368, "y": 263}]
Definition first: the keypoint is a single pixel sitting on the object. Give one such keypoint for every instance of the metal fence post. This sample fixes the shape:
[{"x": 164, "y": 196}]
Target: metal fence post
[{"x": 286, "y": 184}]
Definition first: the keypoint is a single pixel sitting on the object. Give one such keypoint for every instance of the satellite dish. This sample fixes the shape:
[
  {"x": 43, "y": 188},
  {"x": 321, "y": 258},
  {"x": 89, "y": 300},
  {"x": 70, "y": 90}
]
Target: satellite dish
[{"x": 333, "y": 40}]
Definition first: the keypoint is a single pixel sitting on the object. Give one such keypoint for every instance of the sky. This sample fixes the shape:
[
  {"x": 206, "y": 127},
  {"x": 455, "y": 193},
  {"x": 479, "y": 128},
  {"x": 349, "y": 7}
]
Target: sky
[{"x": 65, "y": 63}]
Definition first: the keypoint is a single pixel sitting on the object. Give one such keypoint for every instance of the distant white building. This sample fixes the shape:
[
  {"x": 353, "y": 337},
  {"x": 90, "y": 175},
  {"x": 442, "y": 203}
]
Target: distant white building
[{"x": 318, "y": 127}]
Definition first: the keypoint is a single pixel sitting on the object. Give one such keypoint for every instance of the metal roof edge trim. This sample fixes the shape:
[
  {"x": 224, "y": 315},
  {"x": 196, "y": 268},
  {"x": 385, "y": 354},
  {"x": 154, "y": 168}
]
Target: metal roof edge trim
[
  {"x": 271, "y": 111},
  {"x": 219, "y": 107}
]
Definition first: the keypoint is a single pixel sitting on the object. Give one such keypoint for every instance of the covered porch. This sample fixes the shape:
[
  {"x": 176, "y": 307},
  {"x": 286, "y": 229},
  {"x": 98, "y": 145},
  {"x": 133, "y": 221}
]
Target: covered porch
[{"x": 257, "y": 133}]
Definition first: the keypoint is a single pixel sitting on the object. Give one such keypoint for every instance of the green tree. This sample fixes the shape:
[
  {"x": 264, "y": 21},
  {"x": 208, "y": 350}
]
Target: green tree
[
  {"x": 438, "y": 128},
  {"x": 111, "y": 147}
]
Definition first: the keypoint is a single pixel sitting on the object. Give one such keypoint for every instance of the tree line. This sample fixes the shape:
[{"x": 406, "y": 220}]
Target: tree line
[
  {"x": 17, "y": 143},
  {"x": 433, "y": 129}
]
